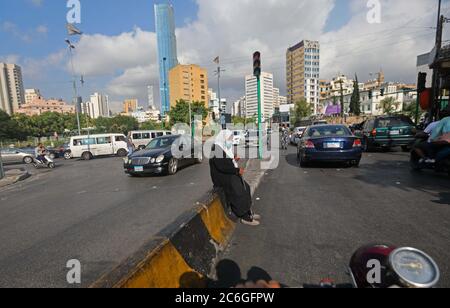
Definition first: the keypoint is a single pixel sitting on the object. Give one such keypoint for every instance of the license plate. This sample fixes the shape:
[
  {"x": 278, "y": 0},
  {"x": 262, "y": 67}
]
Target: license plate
[
  {"x": 333, "y": 145},
  {"x": 395, "y": 132},
  {"x": 138, "y": 169}
]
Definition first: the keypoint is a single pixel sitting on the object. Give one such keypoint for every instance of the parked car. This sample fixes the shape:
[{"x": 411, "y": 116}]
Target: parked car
[
  {"x": 88, "y": 147},
  {"x": 329, "y": 143},
  {"x": 14, "y": 156},
  {"x": 387, "y": 132},
  {"x": 158, "y": 158},
  {"x": 141, "y": 139}
]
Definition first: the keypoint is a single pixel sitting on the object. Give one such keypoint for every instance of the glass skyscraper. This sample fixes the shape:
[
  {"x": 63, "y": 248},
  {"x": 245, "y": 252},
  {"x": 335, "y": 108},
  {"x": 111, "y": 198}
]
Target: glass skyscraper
[{"x": 167, "y": 50}]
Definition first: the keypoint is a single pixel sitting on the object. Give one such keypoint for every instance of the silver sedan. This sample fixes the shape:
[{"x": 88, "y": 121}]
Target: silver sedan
[{"x": 14, "y": 156}]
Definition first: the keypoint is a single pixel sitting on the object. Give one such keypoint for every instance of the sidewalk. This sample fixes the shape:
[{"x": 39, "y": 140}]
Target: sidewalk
[{"x": 13, "y": 176}]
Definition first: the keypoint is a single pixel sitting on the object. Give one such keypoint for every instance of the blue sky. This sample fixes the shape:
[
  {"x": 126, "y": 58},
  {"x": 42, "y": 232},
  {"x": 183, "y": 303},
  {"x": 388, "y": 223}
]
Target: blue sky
[{"x": 32, "y": 32}]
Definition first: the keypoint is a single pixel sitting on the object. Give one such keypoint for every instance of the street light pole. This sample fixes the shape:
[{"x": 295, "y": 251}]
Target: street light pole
[
  {"x": 2, "y": 172},
  {"x": 75, "y": 91}
]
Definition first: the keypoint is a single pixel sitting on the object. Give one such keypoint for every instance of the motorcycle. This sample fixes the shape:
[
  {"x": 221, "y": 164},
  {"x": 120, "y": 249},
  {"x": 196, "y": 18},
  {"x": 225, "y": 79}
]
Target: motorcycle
[
  {"x": 383, "y": 266},
  {"x": 440, "y": 164},
  {"x": 49, "y": 163}
]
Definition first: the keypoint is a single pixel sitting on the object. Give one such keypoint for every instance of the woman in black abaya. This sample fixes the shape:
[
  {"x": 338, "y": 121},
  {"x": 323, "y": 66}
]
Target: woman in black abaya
[{"x": 226, "y": 174}]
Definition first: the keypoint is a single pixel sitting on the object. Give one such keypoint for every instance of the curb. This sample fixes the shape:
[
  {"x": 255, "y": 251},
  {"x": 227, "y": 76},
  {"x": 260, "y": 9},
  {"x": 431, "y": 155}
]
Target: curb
[
  {"x": 10, "y": 180},
  {"x": 182, "y": 255}
]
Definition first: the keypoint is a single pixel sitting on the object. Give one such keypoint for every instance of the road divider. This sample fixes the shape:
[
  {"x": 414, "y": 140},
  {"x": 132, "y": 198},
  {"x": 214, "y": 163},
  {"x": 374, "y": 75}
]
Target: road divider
[{"x": 185, "y": 253}]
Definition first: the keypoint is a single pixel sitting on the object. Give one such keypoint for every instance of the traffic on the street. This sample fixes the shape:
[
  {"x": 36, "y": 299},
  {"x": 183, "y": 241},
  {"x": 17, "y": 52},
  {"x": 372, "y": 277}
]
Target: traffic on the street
[{"x": 213, "y": 148}]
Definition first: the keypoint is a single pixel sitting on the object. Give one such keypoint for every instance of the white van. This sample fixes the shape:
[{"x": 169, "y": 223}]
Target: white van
[
  {"x": 141, "y": 138},
  {"x": 88, "y": 147}
]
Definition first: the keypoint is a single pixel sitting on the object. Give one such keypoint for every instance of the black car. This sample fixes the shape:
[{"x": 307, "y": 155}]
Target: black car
[{"x": 163, "y": 155}]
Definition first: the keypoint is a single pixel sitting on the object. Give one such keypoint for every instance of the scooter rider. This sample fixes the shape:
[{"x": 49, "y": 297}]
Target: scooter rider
[{"x": 39, "y": 153}]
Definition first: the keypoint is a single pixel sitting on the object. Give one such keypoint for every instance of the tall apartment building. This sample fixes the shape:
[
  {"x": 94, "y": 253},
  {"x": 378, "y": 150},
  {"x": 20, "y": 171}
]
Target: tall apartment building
[
  {"x": 130, "y": 106},
  {"x": 189, "y": 83},
  {"x": 251, "y": 94},
  {"x": 303, "y": 73},
  {"x": 12, "y": 94},
  {"x": 97, "y": 107},
  {"x": 31, "y": 95},
  {"x": 167, "y": 50}
]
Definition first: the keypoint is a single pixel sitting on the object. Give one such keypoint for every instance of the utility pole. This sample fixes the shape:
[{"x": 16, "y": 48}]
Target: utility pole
[
  {"x": 342, "y": 100},
  {"x": 75, "y": 91},
  {"x": 218, "y": 73},
  {"x": 2, "y": 172},
  {"x": 435, "y": 81}
]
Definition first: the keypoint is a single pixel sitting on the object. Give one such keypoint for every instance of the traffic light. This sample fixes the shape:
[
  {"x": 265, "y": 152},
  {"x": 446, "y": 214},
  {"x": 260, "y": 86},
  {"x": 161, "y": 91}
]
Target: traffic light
[
  {"x": 370, "y": 94},
  {"x": 422, "y": 82},
  {"x": 257, "y": 64},
  {"x": 382, "y": 92}
]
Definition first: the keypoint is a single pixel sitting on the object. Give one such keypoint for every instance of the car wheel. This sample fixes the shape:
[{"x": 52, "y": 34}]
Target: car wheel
[
  {"x": 86, "y": 156},
  {"x": 303, "y": 163},
  {"x": 122, "y": 153},
  {"x": 67, "y": 155},
  {"x": 28, "y": 160},
  {"x": 172, "y": 168},
  {"x": 52, "y": 156}
]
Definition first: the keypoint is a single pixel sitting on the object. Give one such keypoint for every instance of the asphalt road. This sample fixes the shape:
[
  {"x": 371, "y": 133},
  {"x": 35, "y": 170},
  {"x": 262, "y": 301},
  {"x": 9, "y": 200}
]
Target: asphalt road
[
  {"x": 89, "y": 211},
  {"x": 315, "y": 218}
]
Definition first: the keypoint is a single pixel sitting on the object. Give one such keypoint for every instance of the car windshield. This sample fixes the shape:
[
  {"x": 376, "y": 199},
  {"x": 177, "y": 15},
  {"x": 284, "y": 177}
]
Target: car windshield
[
  {"x": 161, "y": 143},
  {"x": 326, "y": 131},
  {"x": 392, "y": 122}
]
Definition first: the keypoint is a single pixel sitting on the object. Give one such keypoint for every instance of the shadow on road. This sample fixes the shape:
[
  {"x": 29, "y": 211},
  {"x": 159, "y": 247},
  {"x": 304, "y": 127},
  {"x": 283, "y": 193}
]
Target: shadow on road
[
  {"x": 292, "y": 160},
  {"x": 229, "y": 275}
]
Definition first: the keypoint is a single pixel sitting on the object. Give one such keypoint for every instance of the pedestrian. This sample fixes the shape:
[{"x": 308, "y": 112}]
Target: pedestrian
[
  {"x": 227, "y": 175},
  {"x": 130, "y": 146}
]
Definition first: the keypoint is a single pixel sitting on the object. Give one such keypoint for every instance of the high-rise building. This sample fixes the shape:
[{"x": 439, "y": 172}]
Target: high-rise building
[
  {"x": 12, "y": 94},
  {"x": 303, "y": 73},
  {"x": 31, "y": 95},
  {"x": 276, "y": 98},
  {"x": 251, "y": 94},
  {"x": 130, "y": 105},
  {"x": 97, "y": 107},
  {"x": 151, "y": 98},
  {"x": 167, "y": 50},
  {"x": 188, "y": 83}
]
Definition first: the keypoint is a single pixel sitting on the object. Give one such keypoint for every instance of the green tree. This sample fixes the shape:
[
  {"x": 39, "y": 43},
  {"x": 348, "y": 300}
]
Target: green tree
[
  {"x": 355, "y": 102},
  {"x": 151, "y": 125},
  {"x": 119, "y": 124},
  {"x": 180, "y": 113},
  {"x": 302, "y": 109},
  {"x": 389, "y": 105},
  {"x": 7, "y": 130}
]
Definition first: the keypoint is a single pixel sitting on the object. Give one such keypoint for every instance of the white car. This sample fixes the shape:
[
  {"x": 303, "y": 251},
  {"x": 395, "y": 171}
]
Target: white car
[{"x": 238, "y": 137}]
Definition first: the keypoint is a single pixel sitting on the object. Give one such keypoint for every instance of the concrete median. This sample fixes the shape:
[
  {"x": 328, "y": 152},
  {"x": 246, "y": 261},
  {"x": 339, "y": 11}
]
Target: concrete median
[{"x": 183, "y": 254}]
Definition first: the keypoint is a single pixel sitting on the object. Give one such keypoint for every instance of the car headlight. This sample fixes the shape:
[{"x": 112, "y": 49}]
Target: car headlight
[
  {"x": 152, "y": 160},
  {"x": 160, "y": 159}
]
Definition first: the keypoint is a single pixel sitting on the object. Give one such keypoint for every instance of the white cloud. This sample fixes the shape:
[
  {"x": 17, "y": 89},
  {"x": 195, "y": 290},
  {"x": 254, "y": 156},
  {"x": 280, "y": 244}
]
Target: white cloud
[{"x": 234, "y": 29}]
